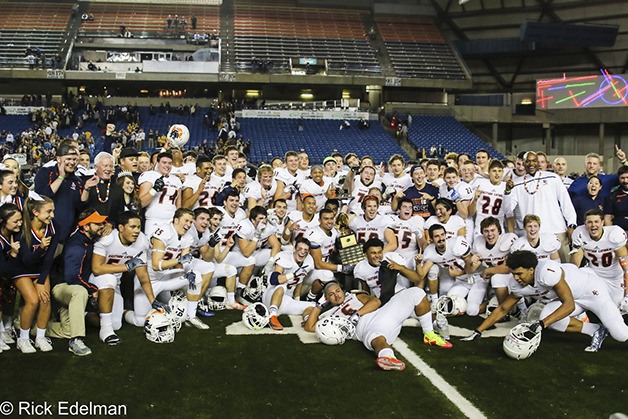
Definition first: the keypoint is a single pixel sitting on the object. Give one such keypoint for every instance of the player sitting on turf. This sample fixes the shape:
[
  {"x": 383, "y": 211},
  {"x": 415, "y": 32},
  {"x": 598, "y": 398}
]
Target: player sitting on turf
[
  {"x": 377, "y": 328},
  {"x": 285, "y": 282},
  {"x": 568, "y": 291}
]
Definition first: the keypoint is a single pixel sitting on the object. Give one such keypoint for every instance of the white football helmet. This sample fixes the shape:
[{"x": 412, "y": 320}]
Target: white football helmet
[
  {"x": 255, "y": 316},
  {"x": 451, "y": 306},
  {"x": 534, "y": 312},
  {"x": 178, "y": 310},
  {"x": 216, "y": 299},
  {"x": 179, "y": 135},
  {"x": 334, "y": 330},
  {"x": 253, "y": 292},
  {"x": 158, "y": 327},
  {"x": 521, "y": 342}
]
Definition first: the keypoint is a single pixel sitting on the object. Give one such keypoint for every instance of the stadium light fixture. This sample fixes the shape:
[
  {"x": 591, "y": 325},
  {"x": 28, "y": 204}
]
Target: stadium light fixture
[{"x": 461, "y": 2}]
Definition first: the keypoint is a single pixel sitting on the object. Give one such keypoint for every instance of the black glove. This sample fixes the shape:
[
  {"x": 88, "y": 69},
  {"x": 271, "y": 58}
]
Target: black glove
[
  {"x": 473, "y": 336},
  {"x": 191, "y": 277},
  {"x": 214, "y": 239},
  {"x": 133, "y": 263},
  {"x": 347, "y": 269},
  {"x": 158, "y": 305},
  {"x": 159, "y": 184},
  {"x": 537, "y": 327}
]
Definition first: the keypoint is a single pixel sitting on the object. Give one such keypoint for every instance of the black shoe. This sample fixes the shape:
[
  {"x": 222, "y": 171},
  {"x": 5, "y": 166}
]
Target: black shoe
[{"x": 112, "y": 340}]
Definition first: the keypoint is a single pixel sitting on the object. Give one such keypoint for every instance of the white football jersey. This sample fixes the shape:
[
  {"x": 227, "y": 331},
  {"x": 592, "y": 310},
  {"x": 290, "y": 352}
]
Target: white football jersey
[
  {"x": 289, "y": 265},
  {"x": 254, "y": 190},
  {"x": 452, "y": 226},
  {"x": 164, "y": 203},
  {"x": 350, "y": 305},
  {"x": 399, "y": 183},
  {"x": 601, "y": 254},
  {"x": 198, "y": 240},
  {"x": 497, "y": 254},
  {"x": 445, "y": 260},
  {"x": 282, "y": 174},
  {"x": 317, "y": 191},
  {"x": 246, "y": 230},
  {"x": 364, "y": 271},
  {"x": 360, "y": 190},
  {"x": 323, "y": 241},
  {"x": 490, "y": 203},
  {"x": 115, "y": 253},
  {"x": 465, "y": 191},
  {"x": 548, "y": 244},
  {"x": 304, "y": 226},
  {"x": 547, "y": 274},
  {"x": 229, "y": 224},
  {"x": 365, "y": 230},
  {"x": 207, "y": 194},
  {"x": 174, "y": 245},
  {"x": 408, "y": 232}
]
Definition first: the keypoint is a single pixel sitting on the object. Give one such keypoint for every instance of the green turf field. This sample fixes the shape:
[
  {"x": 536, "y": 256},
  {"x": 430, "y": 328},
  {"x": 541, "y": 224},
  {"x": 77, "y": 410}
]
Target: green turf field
[{"x": 211, "y": 374}]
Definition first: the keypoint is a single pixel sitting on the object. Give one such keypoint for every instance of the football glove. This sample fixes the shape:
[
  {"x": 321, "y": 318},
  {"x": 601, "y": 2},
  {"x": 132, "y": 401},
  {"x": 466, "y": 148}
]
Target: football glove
[
  {"x": 133, "y": 263},
  {"x": 355, "y": 318},
  {"x": 159, "y": 184},
  {"x": 347, "y": 269},
  {"x": 473, "y": 336},
  {"x": 158, "y": 305},
  {"x": 537, "y": 327},
  {"x": 191, "y": 277},
  {"x": 454, "y": 195},
  {"x": 186, "y": 259},
  {"x": 214, "y": 239}
]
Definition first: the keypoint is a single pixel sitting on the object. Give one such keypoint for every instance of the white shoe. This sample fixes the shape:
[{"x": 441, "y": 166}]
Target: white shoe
[
  {"x": 196, "y": 322},
  {"x": 6, "y": 337},
  {"x": 43, "y": 344},
  {"x": 4, "y": 346},
  {"x": 25, "y": 345}
]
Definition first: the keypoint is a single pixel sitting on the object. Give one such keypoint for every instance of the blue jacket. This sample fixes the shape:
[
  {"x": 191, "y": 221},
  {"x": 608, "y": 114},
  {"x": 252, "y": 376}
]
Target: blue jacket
[{"x": 77, "y": 256}]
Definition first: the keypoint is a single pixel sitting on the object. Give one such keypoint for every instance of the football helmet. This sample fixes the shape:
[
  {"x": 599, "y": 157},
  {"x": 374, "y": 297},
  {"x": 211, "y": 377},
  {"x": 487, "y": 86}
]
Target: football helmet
[
  {"x": 255, "y": 316},
  {"x": 179, "y": 135},
  {"x": 521, "y": 342},
  {"x": 492, "y": 305},
  {"x": 178, "y": 310},
  {"x": 158, "y": 327},
  {"x": 451, "y": 306},
  {"x": 253, "y": 292},
  {"x": 216, "y": 299},
  {"x": 334, "y": 330},
  {"x": 534, "y": 312}
]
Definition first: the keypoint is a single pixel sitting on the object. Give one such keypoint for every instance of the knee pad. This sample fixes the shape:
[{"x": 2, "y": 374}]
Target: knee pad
[
  {"x": 230, "y": 270},
  {"x": 433, "y": 272}
]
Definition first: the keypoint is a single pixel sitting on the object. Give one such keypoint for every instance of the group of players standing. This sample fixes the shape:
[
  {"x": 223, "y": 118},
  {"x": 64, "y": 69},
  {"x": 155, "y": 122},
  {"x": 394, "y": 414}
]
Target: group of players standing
[{"x": 436, "y": 239}]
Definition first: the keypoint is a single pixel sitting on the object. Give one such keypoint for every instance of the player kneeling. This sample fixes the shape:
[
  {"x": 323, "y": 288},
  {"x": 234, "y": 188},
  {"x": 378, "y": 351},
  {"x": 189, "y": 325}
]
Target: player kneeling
[{"x": 377, "y": 328}]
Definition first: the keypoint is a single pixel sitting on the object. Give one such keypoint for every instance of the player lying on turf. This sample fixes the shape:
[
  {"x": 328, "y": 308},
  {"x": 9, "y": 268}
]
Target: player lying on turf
[
  {"x": 568, "y": 291},
  {"x": 377, "y": 328}
]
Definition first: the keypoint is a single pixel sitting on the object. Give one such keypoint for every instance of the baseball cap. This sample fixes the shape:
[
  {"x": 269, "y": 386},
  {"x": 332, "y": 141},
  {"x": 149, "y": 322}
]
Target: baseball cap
[
  {"x": 415, "y": 167},
  {"x": 328, "y": 159},
  {"x": 94, "y": 217},
  {"x": 128, "y": 152}
]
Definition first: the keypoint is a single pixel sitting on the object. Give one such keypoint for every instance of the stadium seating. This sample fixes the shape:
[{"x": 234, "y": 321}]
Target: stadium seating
[
  {"x": 143, "y": 19},
  {"x": 418, "y": 49},
  {"x": 273, "y": 137},
  {"x": 38, "y": 25},
  {"x": 428, "y": 130},
  {"x": 278, "y": 31}
]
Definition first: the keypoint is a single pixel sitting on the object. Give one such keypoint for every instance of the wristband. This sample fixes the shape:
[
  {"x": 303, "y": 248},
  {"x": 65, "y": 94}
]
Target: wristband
[
  {"x": 289, "y": 276},
  {"x": 159, "y": 266},
  {"x": 62, "y": 178},
  {"x": 623, "y": 161},
  {"x": 152, "y": 192},
  {"x": 542, "y": 323},
  {"x": 338, "y": 268}
]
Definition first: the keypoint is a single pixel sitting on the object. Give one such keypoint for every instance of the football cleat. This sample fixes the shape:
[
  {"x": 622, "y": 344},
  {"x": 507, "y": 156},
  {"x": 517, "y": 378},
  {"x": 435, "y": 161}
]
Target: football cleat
[
  {"x": 598, "y": 338},
  {"x": 25, "y": 346},
  {"x": 196, "y": 322},
  {"x": 274, "y": 323},
  {"x": 43, "y": 344},
  {"x": 432, "y": 339},
  {"x": 112, "y": 340},
  {"x": 389, "y": 363}
]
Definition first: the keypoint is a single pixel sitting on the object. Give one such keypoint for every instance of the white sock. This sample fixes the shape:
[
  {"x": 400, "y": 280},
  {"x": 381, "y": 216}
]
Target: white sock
[
  {"x": 2, "y": 329},
  {"x": 7, "y": 322},
  {"x": 25, "y": 333},
  {"x": 192, "y": 306},
  {"x": 272, "y": 311},
  {"x": 589, "y": 328},
  {"x": 433, "y": 297},
  {"x": 386, "y": 352},
  {"x": 106, "y": 327},
  {"x": 426, "y": 322},
  {"x": 230, "y": 298},
  {"x": 41, "y": 333}
]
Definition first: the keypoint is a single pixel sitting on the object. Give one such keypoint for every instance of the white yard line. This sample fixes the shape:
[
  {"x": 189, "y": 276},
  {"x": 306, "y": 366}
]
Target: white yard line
[{"x": 464, "y": 405}]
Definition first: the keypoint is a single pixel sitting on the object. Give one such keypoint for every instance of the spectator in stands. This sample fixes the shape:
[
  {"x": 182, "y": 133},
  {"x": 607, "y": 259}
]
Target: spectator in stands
[
  {"x": 169, "y": 22},
  {"x": 616, "y": 205},
  {"x": 193, "y": 19}
]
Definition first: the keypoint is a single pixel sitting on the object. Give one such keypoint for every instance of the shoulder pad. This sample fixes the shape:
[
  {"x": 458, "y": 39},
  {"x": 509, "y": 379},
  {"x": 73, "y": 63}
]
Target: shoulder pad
[
  {"x": 315, "y": 237},
  {"x": 395, "y": 257},
  {"x": 108, "y": 239},
  {"x": 549, "y": 243},
  {"x": 285, "y": 260},
  {"x": 506, "y": 241},
  {"x": 616, "y": 235},
  {"x": 461, "y": 247}
]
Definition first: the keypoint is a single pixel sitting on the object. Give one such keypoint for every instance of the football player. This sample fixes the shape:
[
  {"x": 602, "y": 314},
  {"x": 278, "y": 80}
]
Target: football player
[
  {"x": 445, "y": 216},
  {"x": 604, "y": 248},
  {"x": 170, "y": 269},
  {"x": 373, "y": 225},
  {"x": 359, "y": 187},
  {"x": 461, "y": 193},
  {"x": 257, "y": 238},
  {"x": 317, "y": 187},
  {"x": 301, "y": 222},
  {"x": 285, "y": 282},
  {"x": 289, "y": 180},
  {"x": 159, "y": 193},
  {"x": 396, "y": 178},
  {"x": 543, "y": 245},
  {"x": 568, "y": 291},
  {"x": 262, "y": 191},
  {"x": 377, "y": 328},
  {"x": 124, "y": 250},
  {"x": 197, "y": 190}
]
